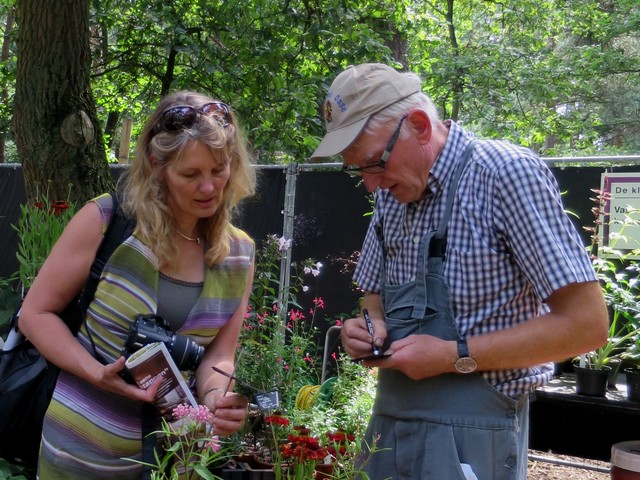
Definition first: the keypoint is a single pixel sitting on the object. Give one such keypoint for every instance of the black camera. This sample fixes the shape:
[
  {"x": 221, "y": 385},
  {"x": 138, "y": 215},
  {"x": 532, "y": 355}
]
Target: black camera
[{"x": 152, "y": 328}]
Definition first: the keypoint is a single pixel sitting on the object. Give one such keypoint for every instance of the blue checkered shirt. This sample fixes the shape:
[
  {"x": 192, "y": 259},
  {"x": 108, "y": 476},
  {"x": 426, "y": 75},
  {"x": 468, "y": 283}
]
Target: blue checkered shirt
[{"x": 510, "y": 243}]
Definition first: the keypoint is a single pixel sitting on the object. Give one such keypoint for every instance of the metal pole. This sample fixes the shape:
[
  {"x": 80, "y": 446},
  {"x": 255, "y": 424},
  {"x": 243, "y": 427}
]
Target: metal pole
[{"x": 287, "y": 234}]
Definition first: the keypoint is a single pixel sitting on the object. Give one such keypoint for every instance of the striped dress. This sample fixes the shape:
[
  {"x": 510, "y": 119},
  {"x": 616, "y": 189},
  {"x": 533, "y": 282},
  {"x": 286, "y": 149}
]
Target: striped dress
[{"x": 89, "y": 433}]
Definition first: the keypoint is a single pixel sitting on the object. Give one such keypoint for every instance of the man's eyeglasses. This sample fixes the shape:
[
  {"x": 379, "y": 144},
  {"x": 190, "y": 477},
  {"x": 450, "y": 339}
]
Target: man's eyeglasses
[
  {"x": 184, "y": 116},
  {"x": 381, "y": 165}
]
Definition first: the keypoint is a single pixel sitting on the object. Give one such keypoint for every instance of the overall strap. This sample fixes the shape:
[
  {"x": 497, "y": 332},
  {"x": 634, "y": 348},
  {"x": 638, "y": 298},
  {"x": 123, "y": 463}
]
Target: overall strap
[
  {"x": 433, "y": 245},
  {"x": 441, "y": 233}
]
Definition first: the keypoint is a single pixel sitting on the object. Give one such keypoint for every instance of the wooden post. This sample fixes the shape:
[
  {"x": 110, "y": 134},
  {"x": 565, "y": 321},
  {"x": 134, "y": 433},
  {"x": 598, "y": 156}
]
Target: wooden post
[{"x": 125, "y": 140}]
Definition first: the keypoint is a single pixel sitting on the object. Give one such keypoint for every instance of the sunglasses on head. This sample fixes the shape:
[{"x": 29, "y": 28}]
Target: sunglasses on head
[{"x": 184, "y": 116}]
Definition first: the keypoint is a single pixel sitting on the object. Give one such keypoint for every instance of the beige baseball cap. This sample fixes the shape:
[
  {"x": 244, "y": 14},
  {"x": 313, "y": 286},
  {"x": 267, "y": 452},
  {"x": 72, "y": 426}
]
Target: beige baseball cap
[{"x": 354, "y": 96}]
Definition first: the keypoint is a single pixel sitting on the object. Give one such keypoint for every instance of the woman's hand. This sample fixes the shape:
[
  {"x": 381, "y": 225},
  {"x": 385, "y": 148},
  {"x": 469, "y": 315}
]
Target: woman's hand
[
  {"x": 229, "y": 412},
  {"x": 109, "y": 379}
]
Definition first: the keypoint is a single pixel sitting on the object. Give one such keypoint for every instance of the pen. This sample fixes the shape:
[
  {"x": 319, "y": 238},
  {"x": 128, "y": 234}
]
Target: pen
[{"x": 367, "y": 319}]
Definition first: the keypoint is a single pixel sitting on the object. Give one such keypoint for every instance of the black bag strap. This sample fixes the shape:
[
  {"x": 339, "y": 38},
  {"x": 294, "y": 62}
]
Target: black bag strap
[
  {"x": 148, "y": 418},
  {"x": 118, "y": 230}
]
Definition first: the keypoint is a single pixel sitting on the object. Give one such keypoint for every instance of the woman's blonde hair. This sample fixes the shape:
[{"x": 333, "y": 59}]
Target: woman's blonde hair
[{"x": 144, "y": 192}]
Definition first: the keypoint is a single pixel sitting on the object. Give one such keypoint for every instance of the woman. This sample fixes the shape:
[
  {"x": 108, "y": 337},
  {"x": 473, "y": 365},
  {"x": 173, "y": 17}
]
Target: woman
[{"x": 184, "y": 262}]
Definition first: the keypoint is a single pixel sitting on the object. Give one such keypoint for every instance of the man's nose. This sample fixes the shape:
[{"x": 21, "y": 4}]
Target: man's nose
[{"x": 371, "y": 182}]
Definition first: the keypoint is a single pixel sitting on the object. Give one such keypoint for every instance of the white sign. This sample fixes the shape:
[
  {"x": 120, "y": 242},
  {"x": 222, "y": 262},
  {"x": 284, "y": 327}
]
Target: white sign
[{"x": 619, "y": 232}]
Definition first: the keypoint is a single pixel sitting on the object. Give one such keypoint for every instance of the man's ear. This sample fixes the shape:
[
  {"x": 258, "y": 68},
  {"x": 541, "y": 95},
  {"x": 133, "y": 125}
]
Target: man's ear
[{"x": 421, "y": 125}]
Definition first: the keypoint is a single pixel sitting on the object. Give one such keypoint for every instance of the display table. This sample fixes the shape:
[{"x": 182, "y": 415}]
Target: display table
[{"x": 571, "y": 424}]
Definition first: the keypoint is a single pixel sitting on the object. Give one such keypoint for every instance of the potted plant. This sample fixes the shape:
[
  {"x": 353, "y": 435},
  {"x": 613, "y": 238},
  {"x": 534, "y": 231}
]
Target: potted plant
[
  {"x": 618, "y": 276},
  {"x": 631, "y": 356},
  {"x": 594, "y": 368}
]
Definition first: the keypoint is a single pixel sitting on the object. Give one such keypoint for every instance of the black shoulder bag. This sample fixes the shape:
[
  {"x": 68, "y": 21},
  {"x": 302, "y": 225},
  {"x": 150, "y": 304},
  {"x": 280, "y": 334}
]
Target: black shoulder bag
[{"x": 27, "y": 379}]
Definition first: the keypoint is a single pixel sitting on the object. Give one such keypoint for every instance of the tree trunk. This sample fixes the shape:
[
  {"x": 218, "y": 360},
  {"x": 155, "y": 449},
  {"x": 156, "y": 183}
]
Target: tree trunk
[
  {"x": 457, "y": 82},
  {"x": 55, "y": 126},
  {"x": 4, "y": 55}
]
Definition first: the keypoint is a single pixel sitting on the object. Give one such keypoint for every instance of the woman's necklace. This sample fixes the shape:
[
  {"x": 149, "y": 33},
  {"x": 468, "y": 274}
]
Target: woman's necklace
[{"x": 197, "y": 239}]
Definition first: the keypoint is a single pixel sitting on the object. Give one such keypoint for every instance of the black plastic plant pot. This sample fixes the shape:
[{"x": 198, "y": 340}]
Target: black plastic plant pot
[{"x": 591, "y": 382}]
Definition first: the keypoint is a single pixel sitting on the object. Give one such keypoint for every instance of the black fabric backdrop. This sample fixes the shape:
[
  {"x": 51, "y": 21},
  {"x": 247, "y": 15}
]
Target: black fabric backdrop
[{"x": 329, "y": 224}]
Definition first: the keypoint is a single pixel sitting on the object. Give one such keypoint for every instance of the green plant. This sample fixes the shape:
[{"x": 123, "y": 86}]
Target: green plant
[
  {"x": 349, "y": 405},
  {"x": 632, "y": 354},
  {"x": 189, "y": 447},
  {"x": 277, "y": 340},
  {"x": 9, "y": 299},
  {"x": 40, "y": 225},
  {"x": 9, "y": 471},
  {"x": 296, "y": 453},
  {"x": 618, "y": 276}
]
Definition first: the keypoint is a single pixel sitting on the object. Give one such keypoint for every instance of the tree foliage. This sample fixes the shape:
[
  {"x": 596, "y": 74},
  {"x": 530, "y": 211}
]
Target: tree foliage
[{"x": 560, "y": 76}]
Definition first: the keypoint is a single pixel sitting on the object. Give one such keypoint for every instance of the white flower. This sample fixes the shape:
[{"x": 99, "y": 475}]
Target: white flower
[
  {"x": 316, "y": 271},
  {"x": 284, "y": 244},
  {"x": 305, "y": 288},
  {"x": 306, "y": 270}
]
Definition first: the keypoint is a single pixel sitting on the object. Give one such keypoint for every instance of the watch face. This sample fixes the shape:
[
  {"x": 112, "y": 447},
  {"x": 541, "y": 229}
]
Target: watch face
[{"x": 466, "y": 365}]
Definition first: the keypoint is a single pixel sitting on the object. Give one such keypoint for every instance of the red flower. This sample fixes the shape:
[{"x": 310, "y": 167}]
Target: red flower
[
  {"x": 303, "y": 447},
  {"x": 340, "y": 436},
  {"x": 59, "y": 207},
  {"x": 276, "y": 419},
  {"x": 302, "y": 430}
]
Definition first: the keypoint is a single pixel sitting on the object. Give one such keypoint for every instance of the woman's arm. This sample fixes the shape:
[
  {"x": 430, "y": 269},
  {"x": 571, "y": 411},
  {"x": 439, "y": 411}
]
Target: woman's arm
[
  {"x": 230, "y": 409},
  {"x": 60, "y": 279}
]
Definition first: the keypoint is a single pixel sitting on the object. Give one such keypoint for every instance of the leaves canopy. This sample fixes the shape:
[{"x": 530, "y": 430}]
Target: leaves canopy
[{"x": 559, "y": 76}]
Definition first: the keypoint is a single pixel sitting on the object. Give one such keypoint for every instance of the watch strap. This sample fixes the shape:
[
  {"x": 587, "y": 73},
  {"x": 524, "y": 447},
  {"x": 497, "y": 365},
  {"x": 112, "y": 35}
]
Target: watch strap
[{"x": 463, "y": 348}]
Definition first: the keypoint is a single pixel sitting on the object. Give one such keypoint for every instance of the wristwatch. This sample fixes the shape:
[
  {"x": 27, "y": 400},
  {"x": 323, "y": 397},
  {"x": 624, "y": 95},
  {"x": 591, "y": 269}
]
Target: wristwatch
[{"x": 464, "y": 363}]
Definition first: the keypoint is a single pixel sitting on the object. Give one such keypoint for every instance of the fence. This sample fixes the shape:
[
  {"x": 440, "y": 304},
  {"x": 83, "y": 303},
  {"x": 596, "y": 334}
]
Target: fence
[{"x": 324, "y": 212}]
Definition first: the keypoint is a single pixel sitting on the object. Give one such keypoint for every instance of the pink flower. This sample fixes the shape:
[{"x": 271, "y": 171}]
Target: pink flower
[
  {"x": 318, "y": 302},
  {"x": 200, "y": 414},
  {"x": 296, "y": 315},
  {"x": 181, "y": 411},
  {"x": 214, "y": 444}
]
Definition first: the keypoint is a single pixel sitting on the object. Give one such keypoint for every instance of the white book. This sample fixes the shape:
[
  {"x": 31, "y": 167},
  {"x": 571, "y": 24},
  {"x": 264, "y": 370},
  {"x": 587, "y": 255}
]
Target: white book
[{"x": 153, "y": 361}]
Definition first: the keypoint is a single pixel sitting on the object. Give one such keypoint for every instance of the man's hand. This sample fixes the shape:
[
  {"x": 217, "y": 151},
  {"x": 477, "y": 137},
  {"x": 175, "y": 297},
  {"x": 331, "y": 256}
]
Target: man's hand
[
  {"x": 356, "y": 339},
  {"x": 420, "y": 356}
]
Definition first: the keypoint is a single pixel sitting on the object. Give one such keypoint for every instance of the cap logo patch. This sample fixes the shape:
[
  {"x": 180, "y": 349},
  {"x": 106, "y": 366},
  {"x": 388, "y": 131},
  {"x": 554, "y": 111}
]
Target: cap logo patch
[
  {"x": 340, "y": 103},
  {"x": 327, "y": 111}
]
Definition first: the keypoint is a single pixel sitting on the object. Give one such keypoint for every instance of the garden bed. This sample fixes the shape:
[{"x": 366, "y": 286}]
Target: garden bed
[{"x": 550, "y": 466}]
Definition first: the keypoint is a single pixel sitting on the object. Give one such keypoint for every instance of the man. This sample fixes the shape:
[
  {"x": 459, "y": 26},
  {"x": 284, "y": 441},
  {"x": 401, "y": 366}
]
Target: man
[{"x": 474, "y": 279}]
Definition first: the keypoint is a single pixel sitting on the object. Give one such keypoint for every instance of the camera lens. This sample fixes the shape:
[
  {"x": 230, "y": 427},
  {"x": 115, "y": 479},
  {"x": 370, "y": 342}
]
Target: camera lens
[{"x": 186, "y": 353}]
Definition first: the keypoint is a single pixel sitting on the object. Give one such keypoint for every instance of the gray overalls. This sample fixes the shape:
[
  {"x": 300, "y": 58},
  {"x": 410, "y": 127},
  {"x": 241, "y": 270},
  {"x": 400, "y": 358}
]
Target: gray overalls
[{"x": 438, "y": 427}]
